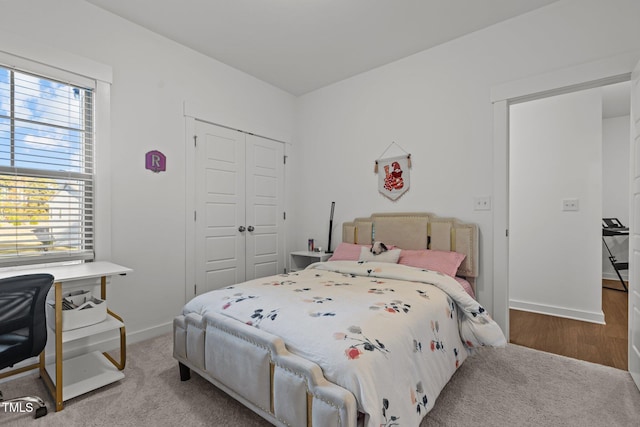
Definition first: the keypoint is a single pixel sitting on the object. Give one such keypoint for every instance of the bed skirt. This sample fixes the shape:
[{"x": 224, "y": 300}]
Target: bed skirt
[{"x": 255, "y": 368}]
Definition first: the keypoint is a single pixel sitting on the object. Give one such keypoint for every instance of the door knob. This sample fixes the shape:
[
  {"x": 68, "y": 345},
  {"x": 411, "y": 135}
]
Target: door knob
[
  {"x": 241, "y": 228},
  {"x": 250, "y": 228}
]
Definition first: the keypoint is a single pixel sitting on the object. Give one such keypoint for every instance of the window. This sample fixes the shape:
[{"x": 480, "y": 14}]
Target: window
[{"x": 46, "y": 169}]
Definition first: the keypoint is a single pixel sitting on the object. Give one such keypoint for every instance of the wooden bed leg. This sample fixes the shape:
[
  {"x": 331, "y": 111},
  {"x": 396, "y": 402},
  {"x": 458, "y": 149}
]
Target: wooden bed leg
[
  {"x": 309, "y": 409},
  {"x": 185, "y": 372},
  {"x": 272, "y": 370}
]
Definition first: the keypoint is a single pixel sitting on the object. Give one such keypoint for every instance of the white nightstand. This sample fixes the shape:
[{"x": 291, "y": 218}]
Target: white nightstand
[{"x": 301, "y": 259}]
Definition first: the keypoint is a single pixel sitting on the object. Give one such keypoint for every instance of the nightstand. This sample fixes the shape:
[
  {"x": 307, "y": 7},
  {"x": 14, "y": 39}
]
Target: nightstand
[{"x": 301, "y": 259}]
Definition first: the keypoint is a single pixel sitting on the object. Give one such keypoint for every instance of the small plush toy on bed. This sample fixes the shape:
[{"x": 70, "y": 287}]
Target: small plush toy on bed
[{"x": 378, "y": 247}]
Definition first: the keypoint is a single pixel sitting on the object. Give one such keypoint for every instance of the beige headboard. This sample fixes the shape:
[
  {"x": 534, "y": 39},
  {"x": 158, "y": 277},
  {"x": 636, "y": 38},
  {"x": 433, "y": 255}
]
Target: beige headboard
[{"x": 418, "y": 230}]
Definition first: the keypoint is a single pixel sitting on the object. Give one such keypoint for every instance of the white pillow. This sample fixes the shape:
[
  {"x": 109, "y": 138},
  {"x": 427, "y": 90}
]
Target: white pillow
[{"x": 391, "y": 256}]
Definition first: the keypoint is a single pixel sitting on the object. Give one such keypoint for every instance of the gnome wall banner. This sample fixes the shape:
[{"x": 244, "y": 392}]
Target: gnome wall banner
[{"x": 393, "y": 176}]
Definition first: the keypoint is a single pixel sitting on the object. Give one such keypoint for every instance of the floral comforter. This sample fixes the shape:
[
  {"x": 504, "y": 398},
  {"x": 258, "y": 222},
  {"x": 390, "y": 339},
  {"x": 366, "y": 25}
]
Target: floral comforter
[{"x": 392, "y": 335}]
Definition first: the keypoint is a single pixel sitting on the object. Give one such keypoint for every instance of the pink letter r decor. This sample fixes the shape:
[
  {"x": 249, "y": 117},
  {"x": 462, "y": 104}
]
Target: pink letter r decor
[{"x": 155, "y": 161}]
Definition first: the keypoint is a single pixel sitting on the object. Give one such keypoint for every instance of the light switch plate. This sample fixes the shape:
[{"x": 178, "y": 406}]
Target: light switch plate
[
  {"x": 482, "y": 203},
  {"x": 570, "y": 205}
]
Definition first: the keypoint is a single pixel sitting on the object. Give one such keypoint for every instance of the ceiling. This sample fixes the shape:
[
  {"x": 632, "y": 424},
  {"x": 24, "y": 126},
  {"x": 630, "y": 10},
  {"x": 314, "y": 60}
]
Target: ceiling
[{"x": 303, "y": 45}]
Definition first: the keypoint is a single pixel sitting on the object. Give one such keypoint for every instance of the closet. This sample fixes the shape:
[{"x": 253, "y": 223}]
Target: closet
[{"x": 239, "y": 207}]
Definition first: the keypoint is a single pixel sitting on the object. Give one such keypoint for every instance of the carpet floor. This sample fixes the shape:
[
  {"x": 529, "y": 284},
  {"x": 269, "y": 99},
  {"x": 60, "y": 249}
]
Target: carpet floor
[{"x": 495, "y": 387}]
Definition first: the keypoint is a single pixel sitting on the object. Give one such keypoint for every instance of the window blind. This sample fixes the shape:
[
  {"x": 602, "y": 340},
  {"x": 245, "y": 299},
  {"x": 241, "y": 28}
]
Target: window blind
[{"x": 46, "y": 169}]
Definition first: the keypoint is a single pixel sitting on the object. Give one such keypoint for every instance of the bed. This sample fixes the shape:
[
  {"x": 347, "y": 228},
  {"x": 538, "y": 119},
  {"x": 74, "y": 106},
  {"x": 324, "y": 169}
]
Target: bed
[{"x": 362, "y": 339}]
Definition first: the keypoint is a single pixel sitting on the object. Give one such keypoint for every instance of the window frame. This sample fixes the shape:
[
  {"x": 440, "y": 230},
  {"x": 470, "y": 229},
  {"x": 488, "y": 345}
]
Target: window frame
[
  {"x": 33, "y": 167},
  {"x": 60, "y": 65}
]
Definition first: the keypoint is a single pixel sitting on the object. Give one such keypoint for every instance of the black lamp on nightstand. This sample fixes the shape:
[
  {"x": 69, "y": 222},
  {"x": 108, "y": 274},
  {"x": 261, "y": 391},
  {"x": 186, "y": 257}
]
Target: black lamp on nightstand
[{"x": 333, "y": 205}]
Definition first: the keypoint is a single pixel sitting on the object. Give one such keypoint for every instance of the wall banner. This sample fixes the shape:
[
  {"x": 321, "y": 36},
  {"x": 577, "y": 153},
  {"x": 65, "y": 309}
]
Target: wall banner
[{"x": 393, "y": 176}]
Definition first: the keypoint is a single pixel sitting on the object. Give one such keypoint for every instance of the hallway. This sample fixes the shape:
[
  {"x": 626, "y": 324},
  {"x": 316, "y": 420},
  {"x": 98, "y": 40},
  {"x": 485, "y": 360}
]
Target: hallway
[{"x": 603, "y": 344}]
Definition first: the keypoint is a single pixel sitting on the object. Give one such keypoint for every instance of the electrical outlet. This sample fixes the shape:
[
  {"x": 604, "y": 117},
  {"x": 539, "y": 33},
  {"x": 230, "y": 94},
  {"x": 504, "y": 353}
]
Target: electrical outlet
[
  {"x": 482, "y": 203},
  {"x": 570, "y": 205}
]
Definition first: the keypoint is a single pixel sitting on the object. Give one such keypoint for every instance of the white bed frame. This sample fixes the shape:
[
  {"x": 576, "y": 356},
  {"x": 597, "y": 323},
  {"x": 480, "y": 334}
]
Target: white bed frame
[{"x": 255, "y": 367}]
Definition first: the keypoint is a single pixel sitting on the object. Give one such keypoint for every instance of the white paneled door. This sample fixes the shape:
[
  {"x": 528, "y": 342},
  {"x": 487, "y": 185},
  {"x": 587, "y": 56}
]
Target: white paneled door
[
  {"x": 239, "y": 184},
  {"x": 634, "y": 240},
  {"x": 264, "y": 207}
]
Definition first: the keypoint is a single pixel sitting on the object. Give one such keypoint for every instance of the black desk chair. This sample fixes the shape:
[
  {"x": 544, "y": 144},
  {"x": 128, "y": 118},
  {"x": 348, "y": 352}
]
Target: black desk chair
[{"x": 23, "y": 328}]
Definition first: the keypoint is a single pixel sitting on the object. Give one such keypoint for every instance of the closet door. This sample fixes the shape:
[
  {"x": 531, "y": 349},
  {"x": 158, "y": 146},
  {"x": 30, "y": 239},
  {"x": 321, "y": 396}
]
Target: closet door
[
  {"x": 264, "y": 214},
  {"x": 220, "y": 196},
  {"x": 239, "y": 200}
]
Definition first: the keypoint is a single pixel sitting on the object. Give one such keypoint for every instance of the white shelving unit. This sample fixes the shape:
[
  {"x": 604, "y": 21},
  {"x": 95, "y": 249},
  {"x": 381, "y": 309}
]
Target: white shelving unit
[
  {"x": 302, "y": 259},
  {"x": 84, "y": 373},
  {"x": 109, "y": 324},
  {"x": 73, "y": 377},
  {"x": 89, "y": 371}
]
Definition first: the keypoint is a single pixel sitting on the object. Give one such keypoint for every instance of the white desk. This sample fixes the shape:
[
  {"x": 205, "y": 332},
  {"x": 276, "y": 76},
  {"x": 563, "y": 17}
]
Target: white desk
[{"x": 73, "y": 377}]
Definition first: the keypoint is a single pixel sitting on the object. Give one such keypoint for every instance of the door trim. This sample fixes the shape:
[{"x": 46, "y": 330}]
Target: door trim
[
  {"x": 634, "y": 232},
  {"x": 607, "y": 71},
  {"x": 190, "y": 208},
  {"x": 227, "y": 120}
]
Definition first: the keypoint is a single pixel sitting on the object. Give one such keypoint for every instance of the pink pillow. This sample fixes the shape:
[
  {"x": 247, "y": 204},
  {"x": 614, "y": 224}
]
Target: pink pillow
[
  {"x": 466, "y": 285},
  {"x": 346, "y": 252},
  {"x": 442, "y": 261}
]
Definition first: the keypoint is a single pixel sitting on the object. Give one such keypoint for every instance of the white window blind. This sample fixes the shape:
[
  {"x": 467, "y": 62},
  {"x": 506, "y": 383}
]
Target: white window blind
[{"x": 46, "y": 169}]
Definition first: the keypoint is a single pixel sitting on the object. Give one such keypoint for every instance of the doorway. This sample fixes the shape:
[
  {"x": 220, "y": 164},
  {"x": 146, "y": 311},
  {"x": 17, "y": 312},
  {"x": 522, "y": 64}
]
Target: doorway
[
  {"x": 568, "y": 168},
  {"x": 555, "y": 199}
]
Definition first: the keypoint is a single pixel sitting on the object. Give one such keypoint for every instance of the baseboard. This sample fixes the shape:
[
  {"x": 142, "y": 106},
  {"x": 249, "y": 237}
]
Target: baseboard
[
  {"x": 149, "y": 333},
  {"x": 613, "y": 276},
  {"x": 585, "y": 316}
]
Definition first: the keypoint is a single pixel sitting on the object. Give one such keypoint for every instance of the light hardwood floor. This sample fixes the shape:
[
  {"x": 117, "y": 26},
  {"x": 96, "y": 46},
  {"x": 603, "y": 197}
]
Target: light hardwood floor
[{"x": 603, "y": 344}]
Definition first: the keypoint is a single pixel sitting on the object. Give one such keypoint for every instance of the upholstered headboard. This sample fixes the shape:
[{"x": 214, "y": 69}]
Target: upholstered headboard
[{"x": 418, "y": 230}]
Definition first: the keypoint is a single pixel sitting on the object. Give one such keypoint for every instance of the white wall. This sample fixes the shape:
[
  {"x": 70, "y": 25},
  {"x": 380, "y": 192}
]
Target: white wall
[
  {"x": 436, "y": 105},
  {"x": 152, "y": 79},
  {"x": 555, "y": 154},
  {"x": 615, "y": 188}
]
